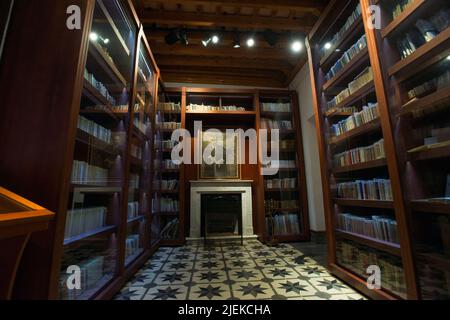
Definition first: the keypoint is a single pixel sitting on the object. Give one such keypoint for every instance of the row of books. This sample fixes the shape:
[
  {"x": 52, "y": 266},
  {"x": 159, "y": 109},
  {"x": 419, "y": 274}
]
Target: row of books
[
  {"x": 282, "y": 164},
  {"x": 168, "y": 144},
  {"x": 169, "y": 125},
  {"x": 99, "y": 86},
  {"x": 360, "y": 80},
  {"x": 280, "y": 183},
  {"x": 142, "y": 125},
  {"x": 366, "y": 115},
  {"x": 94, "y": 129},
  {"x": 424, "y": 31},
  {"x": 360, "y": 155},
  {"x": 440, "y": 82},
  {"x": 276, "y": 124},
  {"x": 275, "y": 107},
  {"x": 437, "y": 135},
  {"x": 136, "y": 151},
  {"x": 347, "y": 57},
  {"x": 206, "y": 108},
  {"x": 272, "y": 204},
  {"x": 348, "y": 23},
  {"x": 376, "y": 189},
  {"x": 92, "y": 271},
  {"x": 168, "y": 164},
  {"x": 347, "y": 110},
  {"x": 170, "y": 230},
  {"x": 169, "y": 106},
  {"x": 133, "y": 210},
  {"x": 169, "y": 184},
  {"x": 284, "y": 224},
  {"x": 397, "y": 7},
  {"x": 357, "y": 258},
  {"x": 169, "y": 205},
  {"x": 132, "y": 245},
  {"x": 101, "y": 107},
  {"x": 84, "y": 173},
  {"x": 84, "y": 220},
  {"x": 377, "y": 227}
]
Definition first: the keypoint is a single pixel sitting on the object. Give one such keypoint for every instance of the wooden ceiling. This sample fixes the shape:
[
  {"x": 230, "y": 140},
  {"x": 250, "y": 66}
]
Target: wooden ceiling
[{"x": 262, "y": 65}]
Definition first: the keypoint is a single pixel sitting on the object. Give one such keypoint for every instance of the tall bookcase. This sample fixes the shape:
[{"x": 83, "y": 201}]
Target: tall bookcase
[
  {"x": 375, "y": 201},
  {"x": 285, "y": 203},
  {"x": 416, "y": 85},
  {"x": 91, "y": 149}
]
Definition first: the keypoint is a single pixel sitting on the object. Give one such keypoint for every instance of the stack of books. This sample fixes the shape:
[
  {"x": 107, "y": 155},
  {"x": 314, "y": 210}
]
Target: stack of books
[
  {"x": 424, "y": 31},
  {"x": 169, "y": 106},
  {"x": 430, "y": 86},
  {"x": 84, "y": 173},
  {"x": 271, "y": 204},
  {"x": 376, "y": 189},
  {"x": 377, "y": 227},
  {"x": 368, "y": 114},
  {"x": 203, "y": 108},
  {"x": 284, "y": 223},
  {"x": 99, "y": 86},
  {"x": 347, "y": 57},
  {"x": 357, "y": 258},
  {"x": 169, "y": 205},
  {"x": 85, "y": 220},
  {"x": 169, "y": 184},
  {"x": 285, "y": 183},
  {"x": 133, "y": 210},
  {"x": 360, "y": 80},
  {"x": 399, "y": 6},
  {"x": 94, "y": 129},
  {"x": 276, "y": 124},
  {"x": 132, "y": 245},
  {"x": 360, "y": 155},
  {"x": 356, "y": 14},
  {"x": 276, "y": 107}
]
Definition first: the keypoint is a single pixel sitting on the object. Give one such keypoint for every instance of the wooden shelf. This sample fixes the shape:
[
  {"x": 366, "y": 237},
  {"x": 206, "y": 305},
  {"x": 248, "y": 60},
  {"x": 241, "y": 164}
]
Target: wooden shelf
[
  {"x": 86, "y": 236},
  {"x": 440, "y": 151},
  {"x": 271, "y": 212},
  {"x": 415, "y": 62},
  {"x": 87, "y": 188},
  {"x": 278, "y": 115},
  {"x": 357, "y": 95},
  {"x": 106, "y": 63},
  {"x": 409, "y": 14},
  {"x": 221, "y": 113},
  {"x": 354, "y": 64},
  {"x": 430, "y": 206},
  {"x": 95, "y": 143},
  {"x": 355, "y": 29},
  {"x": 281, "y": 190},
  {"x": 427, "y": 103},
  {"x": 134, "y": 256},
  {"x": 382, "y": 204},
  {"x": 369, "y": 127},
  {"x": 135, "y": 219},
  {"x": 336, "y": 113},
  {"x": 361, "y": 166},
  {"x": 385, "y": 246}
]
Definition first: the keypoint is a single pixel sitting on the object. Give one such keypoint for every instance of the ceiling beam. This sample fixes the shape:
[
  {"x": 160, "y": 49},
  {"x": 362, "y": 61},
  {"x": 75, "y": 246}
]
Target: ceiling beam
[
  {"x": 241, "y": 63},
  {"x": 208, "y": 20},
  {"x": 311, "y": 6},
  {"x": 162, "y": 48}
]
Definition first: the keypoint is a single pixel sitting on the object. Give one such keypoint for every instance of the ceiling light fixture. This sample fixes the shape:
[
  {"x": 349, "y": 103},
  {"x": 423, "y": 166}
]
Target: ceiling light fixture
[
  {"x": 296, "y": 46},
  {"x": 448, "y": 57},
  {"x": 237, "y": 41},
  {"x": 93, "y": 36},
  {"x": 205, "y": 42},
  {"x": 215, "y": 39},
  {"x": 327, "y": 46},
  {"x": 184, "y": 37},
  {"x": 250, "y": 42}
]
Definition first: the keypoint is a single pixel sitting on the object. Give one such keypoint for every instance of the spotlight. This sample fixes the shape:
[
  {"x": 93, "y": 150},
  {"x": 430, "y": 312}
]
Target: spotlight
[
  {"x": 270, "y": 37},
  {"x": 106, "y": 41},
  {"x": 215, "y": 39},
  {"x": 172, "y": 37},
  {"x": 296, "y": 46},
  {"x": 250, "y": 42},
  {"x": 448, "y": 57},
  {"x": 236, "y": 42},
  {"x": 93, "y": 36},
  {"x": 327, "y": 46},
  {"x": 184, "y": 37},
  {"x": 205, "y": 42}
]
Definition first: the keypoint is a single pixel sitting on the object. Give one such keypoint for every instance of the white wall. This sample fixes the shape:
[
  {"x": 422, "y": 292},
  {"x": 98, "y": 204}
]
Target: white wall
[{"x": 302, "y": 84}]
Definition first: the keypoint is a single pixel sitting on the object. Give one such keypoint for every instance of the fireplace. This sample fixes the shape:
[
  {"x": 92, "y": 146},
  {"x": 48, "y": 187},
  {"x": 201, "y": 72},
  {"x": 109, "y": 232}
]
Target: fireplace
[
  {"x": 221, "y": 215},
  {"x": 235, "y": 189}
]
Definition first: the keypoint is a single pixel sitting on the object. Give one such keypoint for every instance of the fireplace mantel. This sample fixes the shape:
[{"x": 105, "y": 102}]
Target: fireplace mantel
[{"x": 199, "y": 187}]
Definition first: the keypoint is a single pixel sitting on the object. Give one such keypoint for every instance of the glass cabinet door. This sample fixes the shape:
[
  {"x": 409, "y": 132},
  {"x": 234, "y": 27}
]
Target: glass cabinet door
[
  {"x": 139, "y": 196},
  {"x": 98, "y": 172}
]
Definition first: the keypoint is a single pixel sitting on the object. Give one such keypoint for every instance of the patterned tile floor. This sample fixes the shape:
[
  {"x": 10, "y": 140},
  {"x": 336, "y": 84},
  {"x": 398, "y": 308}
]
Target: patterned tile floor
[{"x": 227, "y": 271}]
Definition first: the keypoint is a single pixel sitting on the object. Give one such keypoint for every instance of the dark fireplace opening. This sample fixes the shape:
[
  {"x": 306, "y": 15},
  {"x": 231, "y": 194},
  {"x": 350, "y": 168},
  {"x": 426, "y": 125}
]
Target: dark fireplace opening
[{"x": 221, "y": 215}]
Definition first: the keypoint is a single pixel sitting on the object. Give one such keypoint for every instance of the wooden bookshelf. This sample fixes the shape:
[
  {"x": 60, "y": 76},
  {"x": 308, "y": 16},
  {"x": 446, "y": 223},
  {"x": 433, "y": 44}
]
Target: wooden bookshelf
[
  {"x": 430, "y": 206},
  {"x": 328, "y": 146}
]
